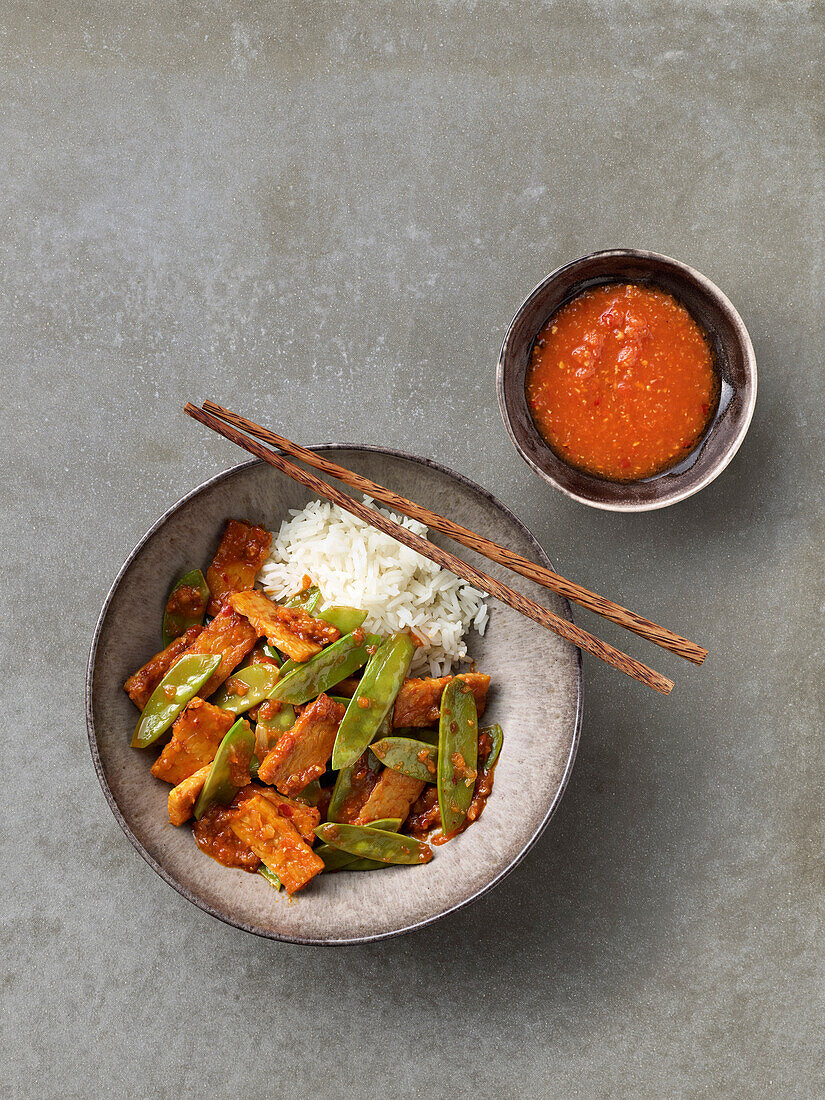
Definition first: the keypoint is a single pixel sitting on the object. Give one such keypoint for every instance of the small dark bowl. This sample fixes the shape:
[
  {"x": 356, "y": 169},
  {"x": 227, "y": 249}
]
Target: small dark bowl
[{"x": 735, "y": 362}]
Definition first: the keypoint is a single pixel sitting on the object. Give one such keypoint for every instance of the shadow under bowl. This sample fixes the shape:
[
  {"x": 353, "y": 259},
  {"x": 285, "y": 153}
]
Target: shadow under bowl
[{"x": 734, "y": 360}]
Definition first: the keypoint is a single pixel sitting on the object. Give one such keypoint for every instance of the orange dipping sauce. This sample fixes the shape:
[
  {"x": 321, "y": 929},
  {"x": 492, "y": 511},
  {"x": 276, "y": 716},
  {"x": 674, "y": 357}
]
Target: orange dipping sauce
[{"x": 622, "y": 382}]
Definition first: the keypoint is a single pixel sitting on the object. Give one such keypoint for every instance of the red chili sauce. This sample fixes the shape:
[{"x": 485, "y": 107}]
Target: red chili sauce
[{"x": 622, "y": 382}]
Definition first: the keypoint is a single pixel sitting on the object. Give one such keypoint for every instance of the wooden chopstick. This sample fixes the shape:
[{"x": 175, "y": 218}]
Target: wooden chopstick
[
  {"x": 565, "y": 629},
  {"x": 493, "y": 551}
]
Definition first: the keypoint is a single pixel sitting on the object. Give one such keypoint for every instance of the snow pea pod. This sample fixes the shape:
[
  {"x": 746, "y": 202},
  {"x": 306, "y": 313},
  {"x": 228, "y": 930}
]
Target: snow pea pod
[
  {"x": 429, "y": 737},
  {"x": 392, "y": 825},
  {"x": 389, "y": 824},
  {"x": 380, "y": 684},
  {"x": 366, "y": 865},
  {"x": 185, "y": 609},
  {"x": 346, "y": 619},
  {"x": 270, "y": 727},
  {"x": 414, "y": 758},
  {"x": 497, "y": 740},
  {"x": 344, "y": 785},
  {"x": 181, "y": 683},
  {"x": 457, "y": 755},
  {"x": 273, "y": 654},
  {"x": 236, "y": 750},
  {"x": 307, "y": 599},
  {"x": 334, "y": 663},
  {"x": 377, "y": 844},
  {"x": 259, "y": 681},
  {"x": 270, "y": 876},
  {"x": 336, "y": 860},
  {"x": 311, "y": 794}
]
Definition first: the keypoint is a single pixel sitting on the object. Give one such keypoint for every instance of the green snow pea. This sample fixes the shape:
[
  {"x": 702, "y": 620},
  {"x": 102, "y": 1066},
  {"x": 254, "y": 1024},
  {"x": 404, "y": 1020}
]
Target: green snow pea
[
  {"x": 376, "y": 844},
  {"x": 343, "y": 782},
  {"x": 270, "y": 876},
  {"x": 497, "y": 740},
  {"x": 333, "y": 664},
  {"x": 388, "y": 824},
  {"x": 346, "y": 619},
  {"x": 457, "y": 755},
  {"x": 259, "y": 680},
  {"x": 310, "y": 795},
  {"x": 380, "y": 684},
  {"x": 417, "y": 733},
  {"x": 275, "y": 725},
  {"x": 307, "y": 599},
  {"x": 181, "y": 683},
  {"x": 414, "y": 758},
  {"x": 336, "y": 860},
  {"x": 272, "y": 653},
  {"x": 219, "y": 786},
  {"x": 391, "y": 825},
  {"x": 176, "y": 621}
]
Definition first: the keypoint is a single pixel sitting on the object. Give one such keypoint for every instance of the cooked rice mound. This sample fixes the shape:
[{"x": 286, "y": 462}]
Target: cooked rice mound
[{"x": 355, "y": 564}]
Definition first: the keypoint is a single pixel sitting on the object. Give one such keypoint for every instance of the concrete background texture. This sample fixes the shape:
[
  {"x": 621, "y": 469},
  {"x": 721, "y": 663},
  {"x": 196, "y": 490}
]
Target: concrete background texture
[{"x": 325, "y": 215}]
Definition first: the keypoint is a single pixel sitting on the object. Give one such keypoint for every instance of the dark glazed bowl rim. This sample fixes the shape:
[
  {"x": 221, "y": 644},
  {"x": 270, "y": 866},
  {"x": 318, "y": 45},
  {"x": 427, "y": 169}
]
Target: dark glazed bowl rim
[
  {"x": 688, "y": 486},
  {"x": 170, "y": 879}
]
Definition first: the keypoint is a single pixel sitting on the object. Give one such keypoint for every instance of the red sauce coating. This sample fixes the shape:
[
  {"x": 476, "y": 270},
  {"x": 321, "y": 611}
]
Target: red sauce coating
[
  {"x": 215, "y": 838},
  {"x": 622, "y": 382},
  {"x": 187, "y": 602},
  {"x": 425, "y": 815},
  {"x": 363, "y": 780}
]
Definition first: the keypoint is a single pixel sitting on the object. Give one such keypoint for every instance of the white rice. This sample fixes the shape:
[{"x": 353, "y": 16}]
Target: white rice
[{"x": 353, "y": 563}]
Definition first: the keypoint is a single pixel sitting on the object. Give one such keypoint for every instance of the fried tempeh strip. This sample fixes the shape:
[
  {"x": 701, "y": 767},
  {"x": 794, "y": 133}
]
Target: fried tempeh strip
[
  {"x": 303, "y": 817},
  {"x": 241, "y": 553},
  {"x": 392, "y": 796},
  {"x": 195, "y": 738},
  {"x": 288, "y": 628},
  {"x": 142, "y": 683},
  {"x": 419, "y": 701},
  {"x": 260, "y": 824},
  {"x": 302, "y": 753},
  {"x": 183, "y": 797},
  {"x": 230, "y": 635}
]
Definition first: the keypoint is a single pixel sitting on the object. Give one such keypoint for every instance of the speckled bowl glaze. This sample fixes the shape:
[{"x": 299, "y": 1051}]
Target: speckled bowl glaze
[
  {"x": 536, "y": 696},
  {"x": 735, "y": 361}
]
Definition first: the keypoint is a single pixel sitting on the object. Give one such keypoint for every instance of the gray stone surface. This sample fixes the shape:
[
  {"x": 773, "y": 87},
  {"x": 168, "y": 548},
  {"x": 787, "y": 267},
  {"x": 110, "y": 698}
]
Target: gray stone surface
[{"x": 326, "y": 216}]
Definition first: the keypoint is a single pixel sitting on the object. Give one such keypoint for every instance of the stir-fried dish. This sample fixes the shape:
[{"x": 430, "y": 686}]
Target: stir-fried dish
[{"x": 296, "y": 740}]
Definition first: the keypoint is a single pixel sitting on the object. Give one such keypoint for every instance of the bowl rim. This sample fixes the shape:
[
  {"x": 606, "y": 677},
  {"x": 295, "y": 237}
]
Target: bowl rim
[
  {"x": 185, "y": 891},
  {"x": 712, "y": 291}
]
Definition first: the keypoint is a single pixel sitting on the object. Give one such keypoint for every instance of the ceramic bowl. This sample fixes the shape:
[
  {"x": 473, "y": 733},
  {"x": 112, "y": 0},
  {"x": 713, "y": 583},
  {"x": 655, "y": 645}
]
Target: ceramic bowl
[
  {"x": 535, "y": 695},
  {"x": 733, "y": 352}
]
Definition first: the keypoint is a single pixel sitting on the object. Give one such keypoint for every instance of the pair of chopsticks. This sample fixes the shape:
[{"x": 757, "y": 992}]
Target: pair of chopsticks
[{"x": 232, "y": 426}]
